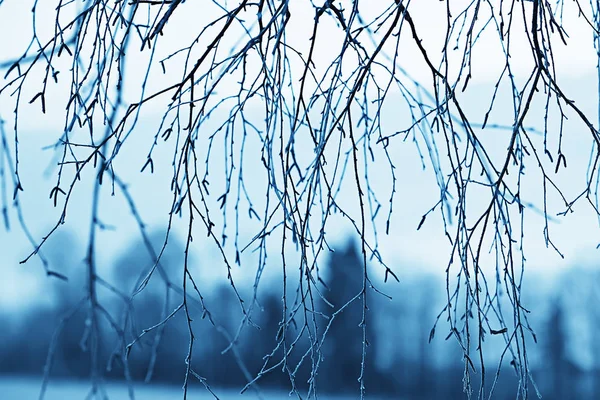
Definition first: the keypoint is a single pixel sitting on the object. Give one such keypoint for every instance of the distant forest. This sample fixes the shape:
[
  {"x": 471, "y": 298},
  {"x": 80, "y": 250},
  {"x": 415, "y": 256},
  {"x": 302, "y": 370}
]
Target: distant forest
[{"x": 405, "y": 356}]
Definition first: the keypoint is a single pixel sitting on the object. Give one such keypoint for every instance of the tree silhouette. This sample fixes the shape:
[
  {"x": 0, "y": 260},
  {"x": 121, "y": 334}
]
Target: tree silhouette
[
  {"x": 159, "y": 353},
  {"x": 557, "y": 351},
  {"x": 345, "y": 359},
  {"x": 276, "y": 122},
  {"x": 260, "y": 344}
]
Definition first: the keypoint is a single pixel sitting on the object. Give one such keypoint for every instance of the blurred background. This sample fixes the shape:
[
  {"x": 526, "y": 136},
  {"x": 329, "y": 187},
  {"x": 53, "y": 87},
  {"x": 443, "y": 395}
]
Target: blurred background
[{"x": 405, "y": 359}]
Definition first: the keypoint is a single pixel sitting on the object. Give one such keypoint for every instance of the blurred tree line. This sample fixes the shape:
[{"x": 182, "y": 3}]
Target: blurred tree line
[{"x": 400, "y": 359}]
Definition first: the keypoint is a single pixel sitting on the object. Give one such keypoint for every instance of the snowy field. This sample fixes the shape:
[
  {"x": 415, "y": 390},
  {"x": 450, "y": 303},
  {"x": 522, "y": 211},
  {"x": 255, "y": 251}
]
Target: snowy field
[{"x": 19, "y": 388}]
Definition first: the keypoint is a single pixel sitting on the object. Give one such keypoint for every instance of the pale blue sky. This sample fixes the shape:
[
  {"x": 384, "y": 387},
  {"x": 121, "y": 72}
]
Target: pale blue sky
[{"x": 405, "y": 249}]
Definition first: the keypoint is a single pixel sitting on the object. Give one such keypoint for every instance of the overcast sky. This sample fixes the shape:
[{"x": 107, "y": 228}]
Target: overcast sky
[{"x": 405, "y": 249}]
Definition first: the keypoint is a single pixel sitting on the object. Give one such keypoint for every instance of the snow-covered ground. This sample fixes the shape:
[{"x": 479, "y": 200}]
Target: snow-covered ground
[{"x": 21, "y": 388}]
